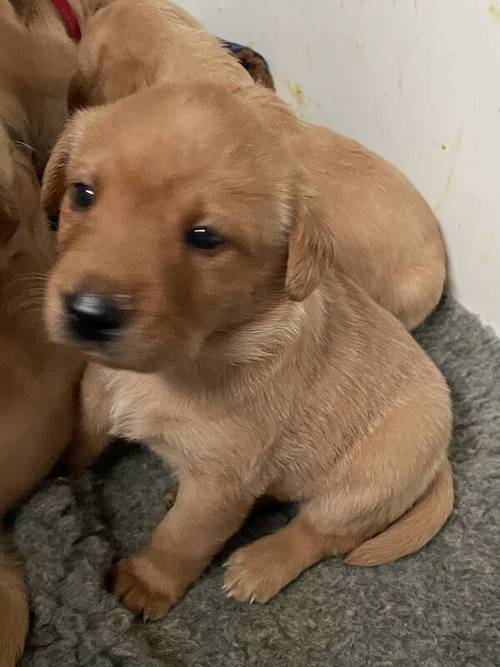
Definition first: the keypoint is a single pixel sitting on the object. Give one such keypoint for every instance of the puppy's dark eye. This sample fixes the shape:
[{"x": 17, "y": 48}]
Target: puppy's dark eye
[
  {"x": 54, "y": 221},
  {"x": 83, "y": 195},
  {"x": 204, "y": 238}
]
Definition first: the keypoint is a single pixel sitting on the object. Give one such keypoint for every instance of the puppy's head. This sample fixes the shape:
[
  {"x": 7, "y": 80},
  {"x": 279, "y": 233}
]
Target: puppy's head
[{"x": 182, "y": 218}]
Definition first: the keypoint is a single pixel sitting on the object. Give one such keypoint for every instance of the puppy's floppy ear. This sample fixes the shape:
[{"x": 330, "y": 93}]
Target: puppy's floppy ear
[
  {"x": 310, "y": 244},
  {"x": 54, "y": 177}
]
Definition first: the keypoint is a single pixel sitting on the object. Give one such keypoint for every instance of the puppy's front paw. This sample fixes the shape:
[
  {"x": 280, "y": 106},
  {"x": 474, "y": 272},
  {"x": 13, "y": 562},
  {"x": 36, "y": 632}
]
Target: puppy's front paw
[
  {"x": 255, "y": 573},
  {"x": 144, "y": 589}
]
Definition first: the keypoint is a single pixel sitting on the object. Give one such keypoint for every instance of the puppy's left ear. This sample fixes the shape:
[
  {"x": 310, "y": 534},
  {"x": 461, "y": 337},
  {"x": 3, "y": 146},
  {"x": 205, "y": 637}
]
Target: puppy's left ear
[{"x": 310, "y": 244}]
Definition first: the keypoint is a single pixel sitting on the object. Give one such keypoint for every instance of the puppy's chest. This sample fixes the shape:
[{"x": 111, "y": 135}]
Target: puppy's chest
[{"x": 149, "y": 411}]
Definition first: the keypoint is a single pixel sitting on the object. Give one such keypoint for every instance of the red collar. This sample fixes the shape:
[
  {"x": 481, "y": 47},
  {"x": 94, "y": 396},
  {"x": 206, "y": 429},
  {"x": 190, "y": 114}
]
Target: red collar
[{"x": 69, "y": 19}]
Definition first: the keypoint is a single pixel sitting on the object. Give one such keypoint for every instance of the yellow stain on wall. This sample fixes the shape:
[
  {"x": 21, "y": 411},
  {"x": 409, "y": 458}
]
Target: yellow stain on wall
[
  {"x": 453, "y": 168},
  {"x": 494, "y": 10},
  {"x": 400, "y": 79},
  {"x": 297, "y": 92}
]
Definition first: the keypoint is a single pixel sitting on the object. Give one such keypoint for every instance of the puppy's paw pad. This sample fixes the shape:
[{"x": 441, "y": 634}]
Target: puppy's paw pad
[
  {"x": 254, "y": 574},
  {"x": 136, "y": 594}
]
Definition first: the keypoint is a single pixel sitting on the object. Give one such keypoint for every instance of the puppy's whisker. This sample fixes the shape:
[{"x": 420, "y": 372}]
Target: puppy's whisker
[
  {"x": 25, "y": 145},
  {"x": 29, "y": 279},
  {"x": 25, "y": 296}
]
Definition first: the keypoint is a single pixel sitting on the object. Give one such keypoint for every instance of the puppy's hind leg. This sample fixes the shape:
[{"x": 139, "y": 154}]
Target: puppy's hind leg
[
  {"x": 92, "y": 433},
  {"x": 257, "y": 572},
  {"x": 400, "y": 494}
]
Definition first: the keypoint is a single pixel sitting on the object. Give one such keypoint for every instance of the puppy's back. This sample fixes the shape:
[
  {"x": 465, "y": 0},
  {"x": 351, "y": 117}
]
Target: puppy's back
[{"x": 129, "y": 46}]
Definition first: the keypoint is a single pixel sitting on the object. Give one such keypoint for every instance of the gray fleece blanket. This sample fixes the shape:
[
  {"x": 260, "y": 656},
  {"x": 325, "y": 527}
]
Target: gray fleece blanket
[{"x": 437, "y": 608}]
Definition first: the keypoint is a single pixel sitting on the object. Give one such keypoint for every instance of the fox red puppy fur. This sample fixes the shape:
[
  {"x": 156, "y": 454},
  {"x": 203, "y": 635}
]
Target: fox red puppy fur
[
  {"x": 37, "y": 401},
  {"x": 197, "y": 270},
  {"x": 388, "y": 239},
  {"x": 36, "y": 376}
]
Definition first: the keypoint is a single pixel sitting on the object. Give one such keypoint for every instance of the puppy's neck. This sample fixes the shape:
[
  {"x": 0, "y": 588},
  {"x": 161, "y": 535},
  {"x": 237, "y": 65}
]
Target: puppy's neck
[
  {"x": 240, "y": 362},
  {"x": 43, "y": 13},
  {"x": 33, "y": 80},
  {"x": 85, "y": 9},
  {"x": 267, "y": 337}
]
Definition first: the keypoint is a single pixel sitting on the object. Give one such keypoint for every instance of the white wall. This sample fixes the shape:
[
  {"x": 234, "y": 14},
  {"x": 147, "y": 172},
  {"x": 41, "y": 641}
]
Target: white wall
[{"x": 416, "y": 80}]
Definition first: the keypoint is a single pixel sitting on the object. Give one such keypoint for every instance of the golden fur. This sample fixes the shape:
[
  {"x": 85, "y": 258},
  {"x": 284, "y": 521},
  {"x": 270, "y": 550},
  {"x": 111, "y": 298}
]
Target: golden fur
[
  {"x": 254, "y": 369},
  {"x": 375, "y": 213},
  {"x": 36, "y": 376}
]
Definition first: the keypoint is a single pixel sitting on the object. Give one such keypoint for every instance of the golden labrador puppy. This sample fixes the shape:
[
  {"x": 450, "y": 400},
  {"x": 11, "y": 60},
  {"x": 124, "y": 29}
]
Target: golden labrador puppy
[
  {"x": 388, "y": 239},
  {"x": 197, "y": 270},
  {"x": 36, "y": 376}
]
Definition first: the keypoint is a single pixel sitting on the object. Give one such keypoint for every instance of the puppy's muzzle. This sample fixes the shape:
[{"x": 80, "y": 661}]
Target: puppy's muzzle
[{"x": 93, "y": 318}]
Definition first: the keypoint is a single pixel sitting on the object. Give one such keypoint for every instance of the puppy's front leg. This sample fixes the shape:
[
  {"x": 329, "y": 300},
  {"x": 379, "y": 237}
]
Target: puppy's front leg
[
  {"x": 92, "y": 433},
  {"x": 203, "y": 518}
]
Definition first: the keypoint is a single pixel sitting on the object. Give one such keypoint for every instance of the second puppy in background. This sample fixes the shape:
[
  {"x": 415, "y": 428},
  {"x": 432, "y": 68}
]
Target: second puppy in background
[{"x": 387, "y": 238}]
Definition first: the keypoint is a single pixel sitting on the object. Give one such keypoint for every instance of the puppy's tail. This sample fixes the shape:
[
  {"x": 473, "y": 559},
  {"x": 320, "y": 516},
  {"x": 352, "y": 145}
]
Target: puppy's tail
[
  {"x": 13, "y": 609},
  {"x": 414, "y": 529}
]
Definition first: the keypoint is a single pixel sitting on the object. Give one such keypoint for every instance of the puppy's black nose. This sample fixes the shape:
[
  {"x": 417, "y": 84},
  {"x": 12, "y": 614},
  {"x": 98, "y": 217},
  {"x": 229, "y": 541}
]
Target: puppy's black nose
[{"x": 92, "y": 317}]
